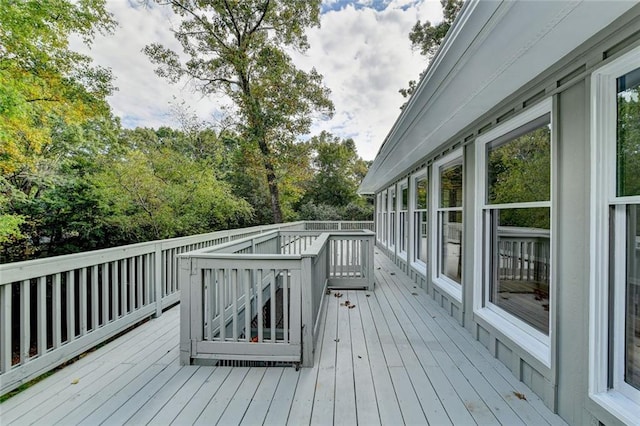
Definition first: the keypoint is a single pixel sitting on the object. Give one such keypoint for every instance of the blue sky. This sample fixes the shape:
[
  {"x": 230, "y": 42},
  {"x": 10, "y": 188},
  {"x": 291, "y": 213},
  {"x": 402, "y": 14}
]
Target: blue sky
[{"x": 362, "y": 50}]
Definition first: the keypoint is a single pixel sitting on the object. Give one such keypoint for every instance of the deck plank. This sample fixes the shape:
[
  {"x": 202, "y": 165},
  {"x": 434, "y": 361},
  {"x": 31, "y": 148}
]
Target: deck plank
[
  {"x": 191, "y": 411},
  {"x": 345, "y": 392},
  {"x": 94, "y": 367},
  {"x": 324, "y": 398},
  {"x": 181, "y": 398},
  {"x": 259, "y": 404},
  {"x": 240, "y": 402},
  {"x": 388, "y": 407},
  {"x": 366, "y": 405},
  {"x": 396, "y": 358},
  {"x": 165, "y": 394},
  {"x": 280, "y": 405},
  {"x": 213, "y": 411}
]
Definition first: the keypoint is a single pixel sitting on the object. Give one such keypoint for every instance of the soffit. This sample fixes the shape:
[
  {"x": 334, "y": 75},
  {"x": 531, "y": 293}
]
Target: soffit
[{"x": 494, "y": 49}]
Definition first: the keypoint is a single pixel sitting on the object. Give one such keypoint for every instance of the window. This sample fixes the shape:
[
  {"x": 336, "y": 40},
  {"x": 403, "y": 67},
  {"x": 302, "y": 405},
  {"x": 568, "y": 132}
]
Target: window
[
  {"x": 385, "y": 219},
  {"x": 379, "y": 227},
  {"x": 393, "y": 206},
  {"x": 403, "y": 225},
  {"x": 420, "y": 231},
  {"x": 447, "y": 253},
  {"x": 614, "y": 339},
  {"x": 514, "y": 230}
]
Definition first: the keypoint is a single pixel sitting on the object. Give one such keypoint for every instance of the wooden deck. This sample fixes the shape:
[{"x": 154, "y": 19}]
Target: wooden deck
[{"x": 396, "y": 358}]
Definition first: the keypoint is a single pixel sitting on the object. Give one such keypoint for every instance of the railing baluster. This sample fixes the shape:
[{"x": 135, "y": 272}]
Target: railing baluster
[
  {"x": 25, "y": 320},
  {"x": 5, "y": 327},
  {"x": 124, "y": 287},
  {"x": 131, "y": 265},
  {"x": 95, "y": 307},
  {"x": 82, "y": 296},
  {"x": 41, "y": 303},
  {"x": 71, "y": 307},
  {"x": 233, "y": 277},
  {"x": 115, "y": 288},
  {"x": 272, "y": 315},
  {"x": 286, "y": 284},
  {"x": 209, "y": 277},
  {"x": 139, "y": 281},
  {"x": 222, "y": 298},
  {"x": 105, "y": 293},
  {"x": 246, "y": 277},
  {"x": 259, "y": 306},
  {"x": 56, "y": 311}
]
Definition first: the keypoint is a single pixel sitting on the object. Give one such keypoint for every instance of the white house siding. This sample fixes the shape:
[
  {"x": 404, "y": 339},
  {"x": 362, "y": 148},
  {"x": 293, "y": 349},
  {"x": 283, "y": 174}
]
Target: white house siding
[{"x": 563, "y": 382}]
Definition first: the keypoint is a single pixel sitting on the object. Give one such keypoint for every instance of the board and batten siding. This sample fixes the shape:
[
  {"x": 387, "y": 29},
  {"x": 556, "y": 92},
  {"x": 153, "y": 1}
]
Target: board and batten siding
[{"x": 563, "y": 385}]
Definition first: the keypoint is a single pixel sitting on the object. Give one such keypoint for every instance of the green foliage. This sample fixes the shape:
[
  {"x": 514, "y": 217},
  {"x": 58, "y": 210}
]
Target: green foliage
[
  {"x": 154, "y": 191},
  {"x": 520, "y": 172},
  {"x": 237, "y": 48},
  {"x": 628, "y": 137},
  {"x": 338, "y": 170},
  {"x": 426, "y": 37},
  {"x": 332, "y": 190},
  {"x": 42, "y": 82}
]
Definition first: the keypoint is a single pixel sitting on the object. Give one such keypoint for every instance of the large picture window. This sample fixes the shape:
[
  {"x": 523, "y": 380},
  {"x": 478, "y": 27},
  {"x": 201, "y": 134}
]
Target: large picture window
[
  {"x": 448, "y": 227},
  {"x": 420, "y": 224},
  {"x": 625, "y": 229},
  {"x": 403, "y": 223},
  {"x": 614, "y": 311},
  {"x": 393, "y": 206},
  {"x": 385, "y": 218},
  {"x": 518, "y": 222},
  {"x": 514, "y": 231}
]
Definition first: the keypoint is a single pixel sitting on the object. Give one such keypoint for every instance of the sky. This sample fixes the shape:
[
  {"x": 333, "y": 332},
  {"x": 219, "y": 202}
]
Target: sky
[{"x": 362, "y": 49}]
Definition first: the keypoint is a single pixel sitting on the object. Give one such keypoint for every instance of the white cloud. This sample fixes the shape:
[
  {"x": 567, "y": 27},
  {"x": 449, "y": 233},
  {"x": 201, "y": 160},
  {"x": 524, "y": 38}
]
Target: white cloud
[{"x": 364, "y": 55}]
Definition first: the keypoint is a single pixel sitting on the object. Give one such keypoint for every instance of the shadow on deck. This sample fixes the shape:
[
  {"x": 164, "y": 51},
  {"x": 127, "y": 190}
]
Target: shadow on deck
[{"x": 394, "y": 358}]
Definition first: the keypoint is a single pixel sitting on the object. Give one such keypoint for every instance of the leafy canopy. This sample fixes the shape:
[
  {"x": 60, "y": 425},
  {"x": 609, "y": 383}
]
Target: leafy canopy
[{"x": 237, "y": 48}]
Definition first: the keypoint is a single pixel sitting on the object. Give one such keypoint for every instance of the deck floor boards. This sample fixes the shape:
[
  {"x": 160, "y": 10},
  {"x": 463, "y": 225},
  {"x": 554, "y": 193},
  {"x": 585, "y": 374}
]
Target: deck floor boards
[{"x": 395, "y": 358}]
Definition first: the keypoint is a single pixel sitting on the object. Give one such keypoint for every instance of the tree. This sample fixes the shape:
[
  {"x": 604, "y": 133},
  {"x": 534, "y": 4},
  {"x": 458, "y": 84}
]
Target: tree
[
  {"x": 237, "y": 48},
  {"x": 427, "y": 37},
  {"x": 47, "y": 94},
  {"x": 332, "y": 192},
  {"x": 153, "y": 190}
]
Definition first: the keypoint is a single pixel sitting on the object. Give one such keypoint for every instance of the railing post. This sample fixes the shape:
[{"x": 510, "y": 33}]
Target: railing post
[
  {"x": 306, "y": 289},
  {"x": 158, "y": 279},
  {"x": 185, "y": 310}
]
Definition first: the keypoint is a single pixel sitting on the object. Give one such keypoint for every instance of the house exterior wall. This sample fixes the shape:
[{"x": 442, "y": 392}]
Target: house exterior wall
[{"x": 563, "y": 382}]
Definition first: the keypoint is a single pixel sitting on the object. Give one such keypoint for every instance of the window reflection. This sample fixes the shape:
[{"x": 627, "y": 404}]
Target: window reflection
[
  {"x": 519, "y": 170},
  {"x": 628, "y": 134},
  {"x": 520, "y": 266},
  {"x": 451, "y": 247},
  {"x": 632, "y": 305},
  {"x": 451, "y": 186}
]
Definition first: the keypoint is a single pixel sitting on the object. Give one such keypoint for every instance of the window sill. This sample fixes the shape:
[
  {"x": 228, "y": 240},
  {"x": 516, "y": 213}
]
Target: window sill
[
  {"x": 538, "y": 349},
  {"x": 450, "y": 287},
  {"x": 618, "y": 405},
  {"x": 419, "y": 268}
]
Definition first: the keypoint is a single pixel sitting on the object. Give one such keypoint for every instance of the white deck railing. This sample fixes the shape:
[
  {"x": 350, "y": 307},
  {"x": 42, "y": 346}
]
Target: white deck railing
[
  {"x": 53, "y": 309},
  {"x": 245, "y": 303}
]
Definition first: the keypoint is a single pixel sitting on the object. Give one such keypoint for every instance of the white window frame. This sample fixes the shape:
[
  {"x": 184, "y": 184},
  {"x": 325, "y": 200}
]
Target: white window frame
[
  {"x": 404, "y": 184},
  {"x": 385, "y": 218},
  {"x": 443, "y": 282},
  {"x": 379, "y": 217},
  {"x": 414, "y": 235},
  {"x": 622, "y": 401},
  {"x": 526, "y": 336},
  {"x": 393, "y": 217}
]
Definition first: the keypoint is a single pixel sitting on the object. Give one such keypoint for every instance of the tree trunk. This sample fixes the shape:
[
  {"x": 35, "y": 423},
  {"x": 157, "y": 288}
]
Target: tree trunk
[{"x": 271, "y": 180}]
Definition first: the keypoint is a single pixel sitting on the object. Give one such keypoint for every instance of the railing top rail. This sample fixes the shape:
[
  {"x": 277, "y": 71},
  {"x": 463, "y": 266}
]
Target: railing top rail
[
  {"x": 239, "y": 243},
  {"x": 247, "y": 256}
]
